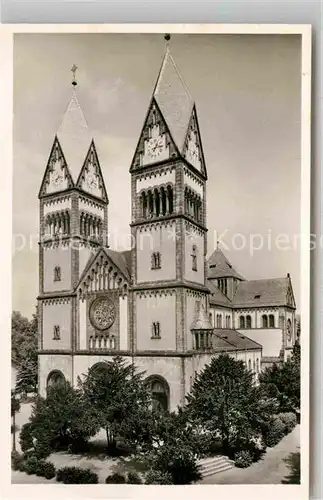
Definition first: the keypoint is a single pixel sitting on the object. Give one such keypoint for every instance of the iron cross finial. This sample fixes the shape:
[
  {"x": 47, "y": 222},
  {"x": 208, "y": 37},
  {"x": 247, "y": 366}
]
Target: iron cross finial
[{"x": 73, "y": 69}]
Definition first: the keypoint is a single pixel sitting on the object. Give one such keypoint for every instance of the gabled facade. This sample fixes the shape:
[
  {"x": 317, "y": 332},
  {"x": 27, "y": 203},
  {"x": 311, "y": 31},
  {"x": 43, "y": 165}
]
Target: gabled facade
[{"x": 154, "y": 304}]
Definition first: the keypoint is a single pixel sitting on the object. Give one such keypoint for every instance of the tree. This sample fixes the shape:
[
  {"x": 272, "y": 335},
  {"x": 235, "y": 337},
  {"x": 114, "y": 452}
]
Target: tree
[
  {"x": 24, "y": 335},
  {"x": 27, "y": 376},
  {"x": 284, "y": 380},
  {"x": 118, "y": 401},
  {"x": 226, "y": 402},
  {"x": 59, "y": 420},
  {"x": 175, "y": 447},
  {"x": 15, "y": 408}
]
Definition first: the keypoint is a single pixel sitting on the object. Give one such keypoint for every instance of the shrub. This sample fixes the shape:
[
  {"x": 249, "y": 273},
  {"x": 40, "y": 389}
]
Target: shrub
[
  {"x": 115, "y": 479},
  {"x": 179, "y": 461},
  {"x": 134, "y": 478},
  {"x": 76, "y": 475},
  {"x": 45, "y": 469},
  {"x": 25, "y": 438},
  {"x": 275, "y": 432},
  {"x": 243, "y": 459},
  {"x": 289, "y": 419},
  {"x": 31, "y": 465},
  {"x": 158, "y": 477},
  {"x": 17, "y": 461}
]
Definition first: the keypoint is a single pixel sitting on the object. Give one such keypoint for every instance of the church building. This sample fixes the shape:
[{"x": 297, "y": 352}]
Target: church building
[{"x": 160, "y": 305}]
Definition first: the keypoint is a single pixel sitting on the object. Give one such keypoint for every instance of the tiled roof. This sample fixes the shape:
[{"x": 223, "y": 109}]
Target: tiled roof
[
  {"x": 174, "y": 100},
  {"x": 236, "y": 339},
  {"x": 270, "y": 292},
  {"x": 74, "y": 137},
  {"x": 218, "y": 266},
  {"x": 217, "y": 297},
  {"x": 121, "y": 260}
]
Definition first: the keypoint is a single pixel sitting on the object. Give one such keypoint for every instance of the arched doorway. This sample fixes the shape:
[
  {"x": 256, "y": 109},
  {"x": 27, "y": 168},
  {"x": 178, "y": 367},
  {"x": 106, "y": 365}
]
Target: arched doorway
[
  {"x": 159, "y": 390},
  {"x": 55, "y": 379}
]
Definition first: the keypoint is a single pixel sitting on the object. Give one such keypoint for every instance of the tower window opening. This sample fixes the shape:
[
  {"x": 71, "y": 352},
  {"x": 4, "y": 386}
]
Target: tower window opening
[
  {"x": 156, "y": 260},
  {"x": 57, "y": 273},
  {"x": 156, "y": 330},
  {"x": 194, "y": 258},
  {"x": 56, "y": 333}
]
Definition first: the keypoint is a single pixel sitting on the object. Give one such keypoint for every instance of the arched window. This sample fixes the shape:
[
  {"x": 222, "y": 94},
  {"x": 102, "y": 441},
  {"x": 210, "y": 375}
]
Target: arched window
[
  {"x": 194, "y": 258},
  {"x": 211, "y": 318},
  {"x": 170, "y": 198},
  {"x": 100, "y": 366},
  {"x": 257, "y": 365},
  {"x": 265, "y": 321},
  {"x": 249, "y": 364},
  {"x": 159, "y": 390},
  {"x": 220, "y": 320},
  {"x": 55, "y": 379},
  {"x": 271, "y": 321},
  {"x": 57, "y": 273},
  {"x": 248, "y": 321},
  {"x": 155, "y": 260},
  {"x": 242, "y": 322},
  {"x": 56, "y": 332},
  {"x": 289, "y": 329}
]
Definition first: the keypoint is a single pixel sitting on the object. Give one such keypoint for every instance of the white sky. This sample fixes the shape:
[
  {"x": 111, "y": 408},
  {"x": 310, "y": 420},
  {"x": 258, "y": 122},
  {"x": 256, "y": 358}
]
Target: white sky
[{"x": 247, "y": 90}]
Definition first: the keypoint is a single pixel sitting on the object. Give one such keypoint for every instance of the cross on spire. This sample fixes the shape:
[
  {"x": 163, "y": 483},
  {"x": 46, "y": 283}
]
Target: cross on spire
[{"x": 73, "y": 69}]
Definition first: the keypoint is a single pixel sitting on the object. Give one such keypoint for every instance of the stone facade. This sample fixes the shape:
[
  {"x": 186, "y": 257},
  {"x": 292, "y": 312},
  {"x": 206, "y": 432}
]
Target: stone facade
[{"x": 156, "y": 303}]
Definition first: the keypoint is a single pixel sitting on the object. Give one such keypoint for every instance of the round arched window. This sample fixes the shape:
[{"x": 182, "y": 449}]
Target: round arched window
[
  {"x": 55, "y": 379},
  {"x": 159, "y": 390}
]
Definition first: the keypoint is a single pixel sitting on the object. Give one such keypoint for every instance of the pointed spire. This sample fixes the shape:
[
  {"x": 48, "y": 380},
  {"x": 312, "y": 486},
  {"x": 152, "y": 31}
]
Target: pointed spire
[
  {"x": 73, "y": 134},
  {"x": 173, "y": 98}
]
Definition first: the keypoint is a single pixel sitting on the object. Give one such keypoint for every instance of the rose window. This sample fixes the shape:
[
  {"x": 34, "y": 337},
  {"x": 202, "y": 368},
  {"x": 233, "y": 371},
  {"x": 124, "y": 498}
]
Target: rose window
[{"x": 102, "y": 313}]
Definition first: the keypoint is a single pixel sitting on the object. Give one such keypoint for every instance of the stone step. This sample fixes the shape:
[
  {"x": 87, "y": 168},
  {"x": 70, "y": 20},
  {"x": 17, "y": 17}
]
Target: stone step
[
  {"x": 211, "y": 460},
  {"x": 214, "y": 465},
  {"x": 215, "y": 469}
]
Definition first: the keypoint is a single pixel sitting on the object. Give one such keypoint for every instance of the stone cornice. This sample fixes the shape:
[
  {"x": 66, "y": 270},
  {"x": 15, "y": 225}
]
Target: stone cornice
[
  {"x": 168, "y": 217},
  {"x": 160, "y": 285}
]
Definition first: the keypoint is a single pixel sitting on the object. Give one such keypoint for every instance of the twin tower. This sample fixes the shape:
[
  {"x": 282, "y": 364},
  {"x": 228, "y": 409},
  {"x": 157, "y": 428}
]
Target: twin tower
[{"x": 143, "y": 303}]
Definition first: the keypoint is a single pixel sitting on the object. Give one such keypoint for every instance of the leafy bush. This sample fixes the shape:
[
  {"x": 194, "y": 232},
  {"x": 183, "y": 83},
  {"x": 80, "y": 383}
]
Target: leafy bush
[
  {"x": 115, "y": 479},
  {"x": 25, "y": 438},
  {"x": 275, "y": 432},
  {"x": 76, "y": 475},
  {"x": 17, "y": 461},
  {"x": 134, "y": 478},
  {"x": 179, "y": 461},
  {"x": 243, "y": 459},
  {"x": 158, "y": 477},
  {"x": 31, "y": 465},
  {"x": 289, "y": 419},
  {"x": 46, "y": 469},
  {"x": 60, "y": 420}
]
